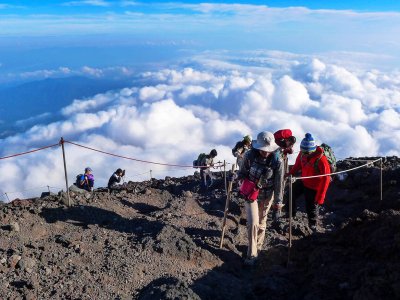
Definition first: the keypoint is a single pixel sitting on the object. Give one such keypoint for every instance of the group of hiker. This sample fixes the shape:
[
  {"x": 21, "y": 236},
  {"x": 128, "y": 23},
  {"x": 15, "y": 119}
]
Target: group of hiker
[
  {"x": 262, "y": 173},
  {"x": 86, "y": 181}
]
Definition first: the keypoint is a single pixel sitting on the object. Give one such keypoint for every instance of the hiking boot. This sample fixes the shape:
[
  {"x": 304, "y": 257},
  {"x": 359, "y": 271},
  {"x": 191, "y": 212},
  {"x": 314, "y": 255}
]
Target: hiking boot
[
  {"x": 250, "y": 261},
  {"x": 277, "y": 211}
]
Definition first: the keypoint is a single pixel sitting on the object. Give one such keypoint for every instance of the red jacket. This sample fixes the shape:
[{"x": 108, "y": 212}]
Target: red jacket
[{"x": 307, "y": 166}]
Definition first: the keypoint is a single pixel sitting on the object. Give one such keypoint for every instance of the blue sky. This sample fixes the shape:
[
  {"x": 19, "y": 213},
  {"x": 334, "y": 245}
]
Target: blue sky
[
  {"x": 68, "y": 32},
  {"x": 49, "y": 6}
]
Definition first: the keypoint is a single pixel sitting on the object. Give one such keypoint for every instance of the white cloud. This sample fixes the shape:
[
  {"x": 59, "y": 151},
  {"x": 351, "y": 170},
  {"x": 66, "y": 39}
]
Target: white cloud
[
  {"x": 87, "y": 3},
  {"x": 92, "y": 71},
  {"x": 181, "y": 112}
]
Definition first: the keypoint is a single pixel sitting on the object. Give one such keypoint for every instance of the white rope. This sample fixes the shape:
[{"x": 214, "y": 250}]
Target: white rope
[{"x": 335, "y": 173}]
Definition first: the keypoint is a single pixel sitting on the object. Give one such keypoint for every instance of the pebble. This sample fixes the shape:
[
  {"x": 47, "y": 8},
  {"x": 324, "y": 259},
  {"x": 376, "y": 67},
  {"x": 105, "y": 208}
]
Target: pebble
[{"x": 14, "y": 226}]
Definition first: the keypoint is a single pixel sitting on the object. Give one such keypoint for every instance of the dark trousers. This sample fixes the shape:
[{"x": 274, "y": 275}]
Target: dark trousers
[{"x": 299, "y": 189}]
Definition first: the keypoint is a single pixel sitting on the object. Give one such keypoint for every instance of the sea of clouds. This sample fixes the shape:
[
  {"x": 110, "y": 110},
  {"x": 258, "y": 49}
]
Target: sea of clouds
[{"x": 205, "y": 103}]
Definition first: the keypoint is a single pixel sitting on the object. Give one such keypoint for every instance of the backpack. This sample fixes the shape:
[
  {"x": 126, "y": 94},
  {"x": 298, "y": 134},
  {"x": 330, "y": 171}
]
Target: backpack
[
  {"x": 330, "y": 156},
  {"x": 78, "y": 180},
  {"x": 197, "y": 162}
]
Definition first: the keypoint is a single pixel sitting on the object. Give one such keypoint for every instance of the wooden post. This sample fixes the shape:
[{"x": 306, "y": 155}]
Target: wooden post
[
  {"x": 290, "y": 215},
  {"x": 151, "y": 175},
  {"x": 228, "y": 196},
  {"x": 48, "y": 189},
  {"x": 65, "y": 171}
]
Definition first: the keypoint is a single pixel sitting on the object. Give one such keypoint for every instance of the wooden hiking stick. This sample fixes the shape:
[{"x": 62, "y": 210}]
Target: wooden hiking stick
[{"x": 228, "y": 198}]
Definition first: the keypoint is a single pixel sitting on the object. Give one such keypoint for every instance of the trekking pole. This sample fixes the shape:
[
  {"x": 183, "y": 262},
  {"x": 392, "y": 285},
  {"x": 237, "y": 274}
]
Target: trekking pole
[
  {"x": 228, "y": 196},
  {"x": 65, "y": 170},
  {"x": 381, "y": 178},
  {"x": 225, "y": 176},
  {"x": 290, "y": 216}
]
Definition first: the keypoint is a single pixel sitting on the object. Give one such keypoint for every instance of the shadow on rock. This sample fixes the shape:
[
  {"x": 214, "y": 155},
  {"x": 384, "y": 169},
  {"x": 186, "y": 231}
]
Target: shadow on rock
[
  {"x": 169, "y": 288},
  {"x": 84, "y": 216}
]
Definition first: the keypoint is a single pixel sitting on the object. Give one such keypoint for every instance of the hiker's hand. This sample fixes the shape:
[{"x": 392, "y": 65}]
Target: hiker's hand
[{"x": 123, "y": 173}]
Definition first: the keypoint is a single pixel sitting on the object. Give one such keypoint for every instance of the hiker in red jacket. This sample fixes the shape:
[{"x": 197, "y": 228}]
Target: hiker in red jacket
[{"x": 311, "y": 161}]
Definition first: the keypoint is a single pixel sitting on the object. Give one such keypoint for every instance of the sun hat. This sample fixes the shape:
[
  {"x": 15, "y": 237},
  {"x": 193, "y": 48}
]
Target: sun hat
[{"x": 265, "y": 142}]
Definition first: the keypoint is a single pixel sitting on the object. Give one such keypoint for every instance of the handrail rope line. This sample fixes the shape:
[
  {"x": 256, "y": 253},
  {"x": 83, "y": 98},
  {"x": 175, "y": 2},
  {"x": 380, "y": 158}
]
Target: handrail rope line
[
  {"x": 335, "y": 173},
  {"x": 131, "y": 176},
  {"x": 31, "y": 189},
  {"x": 130, "y": 158},
  {"x": 27, "y": 152}
]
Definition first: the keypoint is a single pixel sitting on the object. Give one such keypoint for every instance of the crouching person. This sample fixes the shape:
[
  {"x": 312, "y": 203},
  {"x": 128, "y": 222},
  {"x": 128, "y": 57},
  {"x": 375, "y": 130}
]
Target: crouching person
[
  {"x": 115, "y": 179},
  {"x": 311, "y": 161},
  {"x": 85, "y": 181},
  {"x": 262, "y": 174}
]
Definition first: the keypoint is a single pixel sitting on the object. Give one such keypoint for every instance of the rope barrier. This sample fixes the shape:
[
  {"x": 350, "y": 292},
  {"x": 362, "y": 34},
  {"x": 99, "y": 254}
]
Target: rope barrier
[
  {"x": 335, "y": 173},
  {"x": 134, "y": 159},
  {"x": 27, "y": 152},
  {"x": 26, "y": 190}
]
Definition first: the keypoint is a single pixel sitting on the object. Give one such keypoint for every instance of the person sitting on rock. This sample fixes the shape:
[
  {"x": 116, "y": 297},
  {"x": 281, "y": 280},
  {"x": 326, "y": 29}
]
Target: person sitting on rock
[
  {"x": 241, "y": 148},
  {"x": 311, "y": 161},
  {"x": 86, "y": 181},
  {"x": 262, "y": 180},
  {"x": 115, "y": 179},
  {"x": 205, "y": 172}
]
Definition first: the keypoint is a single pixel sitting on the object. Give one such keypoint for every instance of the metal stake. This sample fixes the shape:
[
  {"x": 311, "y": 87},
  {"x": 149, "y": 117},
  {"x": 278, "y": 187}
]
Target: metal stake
[
  {"x": 290, "y": 215},
  {"x": 228, "y": 197}
]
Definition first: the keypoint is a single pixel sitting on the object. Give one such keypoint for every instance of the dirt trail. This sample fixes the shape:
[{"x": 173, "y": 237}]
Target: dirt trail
[{"x": 160, "y": 240}]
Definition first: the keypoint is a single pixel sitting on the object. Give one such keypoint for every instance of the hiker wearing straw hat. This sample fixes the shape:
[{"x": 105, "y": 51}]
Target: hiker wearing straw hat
[
  {"x": 262, "y": 180},
  {"x": 311, "y": 161}
]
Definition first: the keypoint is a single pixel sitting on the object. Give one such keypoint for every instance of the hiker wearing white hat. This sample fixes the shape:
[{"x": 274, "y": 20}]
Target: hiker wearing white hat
[{"x": 262, "y": 174}]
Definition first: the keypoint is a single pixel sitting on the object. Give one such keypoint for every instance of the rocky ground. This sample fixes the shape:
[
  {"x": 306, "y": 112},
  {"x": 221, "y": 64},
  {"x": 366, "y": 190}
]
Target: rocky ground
[{"x": 160, "y": 240}]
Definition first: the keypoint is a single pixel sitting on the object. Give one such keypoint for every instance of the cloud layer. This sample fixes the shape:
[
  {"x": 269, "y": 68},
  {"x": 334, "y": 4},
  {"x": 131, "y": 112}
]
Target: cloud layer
[{"x": 183, "y": 111}]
